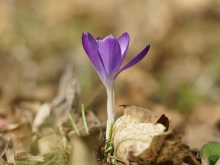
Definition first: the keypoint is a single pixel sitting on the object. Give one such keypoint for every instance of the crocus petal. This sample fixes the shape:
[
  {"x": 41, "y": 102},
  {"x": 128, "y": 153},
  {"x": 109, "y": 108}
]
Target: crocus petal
[
  {"x": 135, "y": 60},
  {"x": 98, "y": 40},
  {"x": 91, "y": 48},
  {"x": 92, "y": 41},
  {"x": 123, "y": 41},
  {"x": 110, "y": 52}
]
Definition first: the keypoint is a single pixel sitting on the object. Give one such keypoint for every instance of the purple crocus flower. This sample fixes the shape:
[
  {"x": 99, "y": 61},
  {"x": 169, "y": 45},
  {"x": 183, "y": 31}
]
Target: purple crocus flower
[{"x": 108, "y": 54}]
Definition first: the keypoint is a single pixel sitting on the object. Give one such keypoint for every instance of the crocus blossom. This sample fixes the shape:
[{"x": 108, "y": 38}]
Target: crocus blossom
[{"x": 107, "y": 56}]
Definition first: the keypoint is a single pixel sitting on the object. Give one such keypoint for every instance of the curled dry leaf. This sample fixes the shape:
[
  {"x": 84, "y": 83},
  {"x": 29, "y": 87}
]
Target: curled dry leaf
[
  {"x": 143, "y": 136},
  {"x": 165, "y": 148},
  {"x": 140, "y": 115}
]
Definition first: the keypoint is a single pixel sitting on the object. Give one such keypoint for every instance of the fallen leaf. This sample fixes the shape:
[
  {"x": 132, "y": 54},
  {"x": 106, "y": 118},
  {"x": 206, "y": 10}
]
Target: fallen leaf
[
  {"x": 20, "y": 135},
  {"x": 142, "y": 115},
  {"x": 164, "y": 148},
  {"x": 144, "y": 136},
  {"x": 51, "y": 143}
]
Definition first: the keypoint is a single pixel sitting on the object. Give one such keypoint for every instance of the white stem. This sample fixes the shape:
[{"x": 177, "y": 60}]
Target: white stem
[{"x": 110, "y": 108}]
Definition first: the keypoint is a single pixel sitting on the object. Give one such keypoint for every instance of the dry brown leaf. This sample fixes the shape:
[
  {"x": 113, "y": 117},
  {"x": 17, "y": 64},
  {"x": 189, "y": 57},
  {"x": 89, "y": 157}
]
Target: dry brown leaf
[
  {"x": 135, "y": 138},
  {"x": 51, "y": 143},
  {"x": 20, "y": 135},
  {"x": 177, "y": 118},
  {"x": 164, "y": 148},
  {"x": 141, "y": 115},
  {"x": 144, "y": 136}
]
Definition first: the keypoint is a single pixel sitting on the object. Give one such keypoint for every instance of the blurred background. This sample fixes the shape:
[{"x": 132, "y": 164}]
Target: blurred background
[{"x": 39, "y": 38}]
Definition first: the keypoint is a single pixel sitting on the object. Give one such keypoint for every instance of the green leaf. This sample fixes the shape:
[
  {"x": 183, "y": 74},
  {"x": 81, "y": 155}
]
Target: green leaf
[
  {"x": 211, "y": 150},
  {"x": 26, "y": 163},
  {"x": 213, "y": 159}
]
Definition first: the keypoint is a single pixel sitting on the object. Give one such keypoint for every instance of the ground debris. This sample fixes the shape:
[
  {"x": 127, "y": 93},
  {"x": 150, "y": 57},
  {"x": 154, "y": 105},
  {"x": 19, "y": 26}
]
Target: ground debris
[
  {"x": 68, "y": 89},
  {"x": 143, "y": 136}
]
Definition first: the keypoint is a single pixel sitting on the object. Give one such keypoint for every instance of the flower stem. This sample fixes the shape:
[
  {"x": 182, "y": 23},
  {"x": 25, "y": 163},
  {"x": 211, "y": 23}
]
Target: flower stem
[{"x": 110, "y": 108}]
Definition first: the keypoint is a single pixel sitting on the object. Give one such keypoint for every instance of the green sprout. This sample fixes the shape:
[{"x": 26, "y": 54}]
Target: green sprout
[
  {"x": 73, "y": 123},
  {"x": 26, "y": 163},
  {"x": 84, "y": 120}
]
